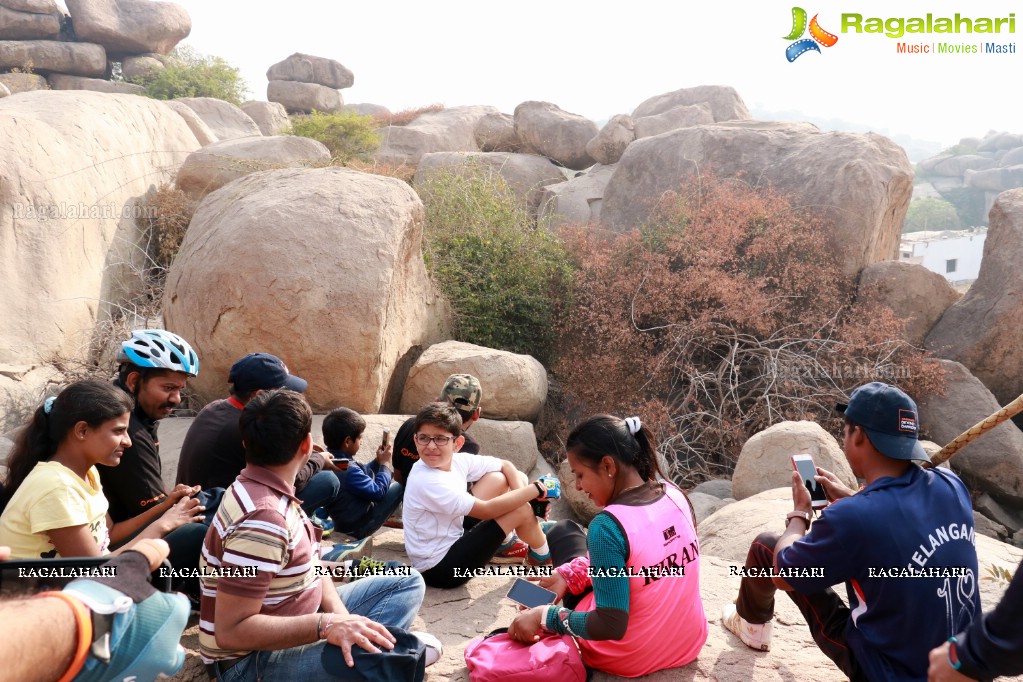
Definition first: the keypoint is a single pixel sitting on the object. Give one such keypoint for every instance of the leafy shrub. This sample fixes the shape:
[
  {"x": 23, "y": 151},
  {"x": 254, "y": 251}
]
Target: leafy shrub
[
  {"x": 931, "y": 214},
  {"x": 190, "y": 74},
  {"x": 346, "y": 134},
  {"x": 726, "y": 314},
  {"x": 506, "y": 279},
  {"x": 969, "y": 204}
]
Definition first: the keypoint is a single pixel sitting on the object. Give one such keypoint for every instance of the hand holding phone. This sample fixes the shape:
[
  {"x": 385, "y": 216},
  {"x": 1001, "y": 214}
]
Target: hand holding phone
[
  {"x": 803, "y": 464},
  {"x": 529, "y": 594},
  {"x": 386, "y": 439}
]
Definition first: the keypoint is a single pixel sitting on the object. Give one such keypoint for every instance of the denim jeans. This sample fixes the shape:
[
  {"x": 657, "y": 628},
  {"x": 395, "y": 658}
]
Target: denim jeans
[
  {"x": 320, "y": 491},
  {"x": 367, "y": 523},
  {"x": 388, "y": 600}
]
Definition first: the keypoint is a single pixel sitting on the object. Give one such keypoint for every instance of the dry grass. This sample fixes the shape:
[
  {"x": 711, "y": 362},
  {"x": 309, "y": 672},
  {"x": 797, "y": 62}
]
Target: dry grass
[
  {"x": 406, "y": 116},
  {"x": 401, "y": 171}
]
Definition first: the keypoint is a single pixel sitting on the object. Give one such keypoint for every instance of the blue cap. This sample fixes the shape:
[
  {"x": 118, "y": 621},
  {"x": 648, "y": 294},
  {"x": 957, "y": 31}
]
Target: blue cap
[
  {"x": 262, "y": 372},
  {"x": 889, "y": 417}
]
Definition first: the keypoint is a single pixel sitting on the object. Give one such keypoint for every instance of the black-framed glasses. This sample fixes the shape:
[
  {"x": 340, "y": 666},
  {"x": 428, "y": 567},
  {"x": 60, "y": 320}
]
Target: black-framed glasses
[{"x": 423, "y": 440}]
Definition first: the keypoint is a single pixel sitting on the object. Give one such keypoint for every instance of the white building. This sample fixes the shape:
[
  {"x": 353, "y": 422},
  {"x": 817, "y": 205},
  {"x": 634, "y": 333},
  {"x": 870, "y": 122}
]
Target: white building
[{"x": 953, "y": 254}]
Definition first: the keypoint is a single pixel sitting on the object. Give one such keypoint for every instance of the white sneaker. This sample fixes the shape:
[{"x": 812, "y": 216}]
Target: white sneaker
[
  {"x": 754, "y": 635},
  {"x": 434, "y": 649}
]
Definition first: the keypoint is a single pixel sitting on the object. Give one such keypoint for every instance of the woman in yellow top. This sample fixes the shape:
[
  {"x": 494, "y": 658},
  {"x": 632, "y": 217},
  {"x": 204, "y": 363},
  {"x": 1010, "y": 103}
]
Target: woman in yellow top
[{"x": 52, "y": 501}]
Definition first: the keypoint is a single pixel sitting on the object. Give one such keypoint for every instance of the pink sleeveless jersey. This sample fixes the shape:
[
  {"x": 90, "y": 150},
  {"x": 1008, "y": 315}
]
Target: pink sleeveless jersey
[{"x": 667, "y": 625}]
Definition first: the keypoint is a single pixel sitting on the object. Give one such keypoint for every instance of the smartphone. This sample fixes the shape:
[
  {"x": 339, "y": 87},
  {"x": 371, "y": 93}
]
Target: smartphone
[
  {"x": 386, "y": 439},
  {"x": 807, "y": 470},
  {"x": 341, "y": 464},
  {"x": 530, "y": 594},
  {"x": 28, "y": 576}
]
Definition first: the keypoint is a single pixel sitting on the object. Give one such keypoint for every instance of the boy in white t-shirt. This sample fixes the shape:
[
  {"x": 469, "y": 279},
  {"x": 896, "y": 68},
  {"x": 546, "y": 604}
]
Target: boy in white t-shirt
[{"x": 436, "y": 502}]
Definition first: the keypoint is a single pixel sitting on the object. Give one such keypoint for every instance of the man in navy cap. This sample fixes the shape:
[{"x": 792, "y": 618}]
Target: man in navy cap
[
  {"x": 903, "y": 545},
  {"x": 212, "y": 454}
]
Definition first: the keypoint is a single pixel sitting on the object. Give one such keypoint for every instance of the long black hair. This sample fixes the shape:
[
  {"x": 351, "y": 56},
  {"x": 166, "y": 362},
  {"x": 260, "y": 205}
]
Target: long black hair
[
  {"x": 604, "y": 434},
  {"x": 89, "y": 401}
]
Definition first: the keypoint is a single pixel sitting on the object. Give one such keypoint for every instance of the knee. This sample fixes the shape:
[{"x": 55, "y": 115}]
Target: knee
[{"x": 563, "y": 529}]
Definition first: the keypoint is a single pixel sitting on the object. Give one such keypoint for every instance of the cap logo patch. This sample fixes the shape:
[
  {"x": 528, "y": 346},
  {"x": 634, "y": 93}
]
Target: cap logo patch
[{"x": 907, "y": 421}]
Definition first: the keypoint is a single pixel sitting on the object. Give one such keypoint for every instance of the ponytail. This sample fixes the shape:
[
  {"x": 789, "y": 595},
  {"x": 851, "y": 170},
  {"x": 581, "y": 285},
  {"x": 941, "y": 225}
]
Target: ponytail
[{"x": 627, "y": 441}]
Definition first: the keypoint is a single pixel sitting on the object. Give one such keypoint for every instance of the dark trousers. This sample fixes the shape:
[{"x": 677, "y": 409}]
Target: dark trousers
[
  {"x": 825, "y": 613},
  {"x": 567, "y": 540}
]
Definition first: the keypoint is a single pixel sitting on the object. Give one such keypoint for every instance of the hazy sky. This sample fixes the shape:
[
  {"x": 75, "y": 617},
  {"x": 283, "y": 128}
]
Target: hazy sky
[{"x": 600, "y": 58}]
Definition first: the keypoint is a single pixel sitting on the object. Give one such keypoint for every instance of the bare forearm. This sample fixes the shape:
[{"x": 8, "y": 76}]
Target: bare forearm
[
  {"x": 260, "y": 632},
  {"x": 502, "y": 504},
  {"x": 331, "y": 602},
  {"x": 794, "y": 531},
  {"x": 512, "y": 474},
  {"x": 128, "y": 527},
  {"x": 37, "y": 620}
]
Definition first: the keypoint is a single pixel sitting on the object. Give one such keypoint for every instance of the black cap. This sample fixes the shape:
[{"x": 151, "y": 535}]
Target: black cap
[
  {"x": 262, "y": 372},
  {"x": 889, "y": 417}
]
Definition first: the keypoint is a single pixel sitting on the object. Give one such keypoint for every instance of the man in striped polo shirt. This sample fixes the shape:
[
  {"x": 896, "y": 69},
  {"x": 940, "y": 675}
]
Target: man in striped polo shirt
[{"x": 267, "y": 612}]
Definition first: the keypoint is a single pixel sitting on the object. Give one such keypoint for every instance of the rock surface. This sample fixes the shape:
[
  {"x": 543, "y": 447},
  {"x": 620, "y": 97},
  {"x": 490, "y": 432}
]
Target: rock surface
[
  {"x": 53, "y": 56},
  {"x": 227, "y": 121},
  {"x": 142, "y": 65},
  {"x": 723, "y": 101},
  {"x": 305, "y": 68},
  {"x": 673, "y": 119},
  {"x": 19, "y": 25},
  {"x": 577, "y": 201},
  {"x": 22, "y": 82},
  {"x": 215, "y": 165},
  {"x": 4, "y": 91},
  {"x": 610, "y": 143},
  {"x": 130, "y": 26},
  {"x": 302, "y": 98},
  {"x": 720, "y": 488},
  {"x": 496, "y": 133},
  {"x": 60, "y": 81},
  {"x": 765, "y": 461},
  {"x": 198, "y": 127},
  {"x": 341, "y": 291},
  {"x": 546, "y": 129},
  {"x": 917, "y": 295},
  {"x": 271, "y": 117},
  {"x": 580, "y": 504},
  {"x": 448, "y": 130},
  {"x": 860, "y": 183},
  {"x": 514, "y": 386}
]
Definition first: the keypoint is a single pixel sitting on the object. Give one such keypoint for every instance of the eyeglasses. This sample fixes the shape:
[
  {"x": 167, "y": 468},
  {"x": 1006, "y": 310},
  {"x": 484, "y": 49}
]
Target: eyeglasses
[{"x": 424, "y": 440}]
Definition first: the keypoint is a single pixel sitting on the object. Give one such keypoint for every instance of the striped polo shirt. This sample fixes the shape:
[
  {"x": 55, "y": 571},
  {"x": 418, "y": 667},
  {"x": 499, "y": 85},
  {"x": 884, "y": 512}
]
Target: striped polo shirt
[{"x": 261, "y": 545}]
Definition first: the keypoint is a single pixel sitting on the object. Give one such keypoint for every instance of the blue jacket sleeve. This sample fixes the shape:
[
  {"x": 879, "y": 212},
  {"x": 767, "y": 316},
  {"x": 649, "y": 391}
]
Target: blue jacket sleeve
[
  {"x": 368, "y": 482},
  {"x": 993, "y": 645}
]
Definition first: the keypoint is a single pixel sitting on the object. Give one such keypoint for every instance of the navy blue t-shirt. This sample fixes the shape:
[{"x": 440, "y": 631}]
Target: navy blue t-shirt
[{"x": 918, "y": 522}]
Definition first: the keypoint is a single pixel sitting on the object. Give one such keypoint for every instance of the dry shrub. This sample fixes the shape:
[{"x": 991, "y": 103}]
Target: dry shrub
[
  {"x": 402, "y": 171},
  {"x": 406, "y": 116},
  {"x": 726, "y": 314}
]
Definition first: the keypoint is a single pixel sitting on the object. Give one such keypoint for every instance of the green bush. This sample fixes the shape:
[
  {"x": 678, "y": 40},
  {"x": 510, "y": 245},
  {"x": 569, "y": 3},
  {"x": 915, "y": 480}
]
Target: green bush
[
  {"x": 931, "y": 214},
  {"x": 506, "y": 279},
  {"x": 346, "y": 134},
  {"x": 190, "y": 74}
]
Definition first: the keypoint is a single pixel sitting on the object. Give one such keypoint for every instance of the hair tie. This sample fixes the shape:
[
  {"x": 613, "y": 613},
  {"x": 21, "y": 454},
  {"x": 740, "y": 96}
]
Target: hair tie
[
  {"x": 634, "y": 424},
  {"x": 48, "y": 404}
]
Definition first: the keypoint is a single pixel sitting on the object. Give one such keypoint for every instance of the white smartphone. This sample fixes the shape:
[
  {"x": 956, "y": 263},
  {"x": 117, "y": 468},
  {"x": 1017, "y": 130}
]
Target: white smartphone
[
  {"x": 530, "y": 594},
  {"x": 807, "y": 470}
]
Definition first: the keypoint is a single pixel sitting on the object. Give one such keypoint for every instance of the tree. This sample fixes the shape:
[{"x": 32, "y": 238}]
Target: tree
[
  {"x": 931, "y": 214},
  {"x": 190, "y": 74}
]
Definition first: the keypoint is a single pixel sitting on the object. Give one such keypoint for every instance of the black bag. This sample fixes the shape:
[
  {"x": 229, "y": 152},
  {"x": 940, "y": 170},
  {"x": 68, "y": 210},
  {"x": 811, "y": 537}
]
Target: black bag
[{"x": 406, "y": 661}]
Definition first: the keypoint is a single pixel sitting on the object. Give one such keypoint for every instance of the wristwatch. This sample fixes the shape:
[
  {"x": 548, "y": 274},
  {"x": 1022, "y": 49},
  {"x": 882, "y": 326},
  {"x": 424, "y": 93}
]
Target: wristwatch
[{"x": 805, "y": 515}]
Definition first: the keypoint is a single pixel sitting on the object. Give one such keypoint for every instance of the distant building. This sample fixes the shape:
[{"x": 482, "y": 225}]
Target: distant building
[{"x": 953, "y": 254}]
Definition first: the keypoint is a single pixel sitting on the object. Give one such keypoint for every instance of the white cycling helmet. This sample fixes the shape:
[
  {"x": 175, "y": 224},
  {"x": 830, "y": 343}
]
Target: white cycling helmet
[{"x": 159, "y": 349}]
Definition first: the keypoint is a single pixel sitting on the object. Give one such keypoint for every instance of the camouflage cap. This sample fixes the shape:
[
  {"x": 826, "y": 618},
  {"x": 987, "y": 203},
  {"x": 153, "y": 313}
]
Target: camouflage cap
[{"x": 463, "y": 391}]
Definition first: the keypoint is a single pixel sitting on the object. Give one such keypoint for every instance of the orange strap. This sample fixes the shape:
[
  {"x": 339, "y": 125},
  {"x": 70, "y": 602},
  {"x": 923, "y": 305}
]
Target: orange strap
[{"x": 84, "y": 623}]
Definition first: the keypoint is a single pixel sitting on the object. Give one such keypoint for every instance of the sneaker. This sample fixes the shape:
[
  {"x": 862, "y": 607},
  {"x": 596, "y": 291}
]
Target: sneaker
[
  {"x": 349, "y": 551},
  {"x": 534, "y": 559},
  {"x": 321, "y": 519},
  {"x": 754, "y": 635},
  {"x": 511, "y": 552},
  {"x": 434, "y": 649},
  {"x": 394, "y": 521}
]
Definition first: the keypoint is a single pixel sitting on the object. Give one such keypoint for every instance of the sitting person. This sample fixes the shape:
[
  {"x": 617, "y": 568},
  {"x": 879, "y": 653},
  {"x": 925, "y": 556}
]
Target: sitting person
[
  {"x": 436, "y": 501},
  {"x": 654, "y": 619},
  {"x": 54, "y": 503},
  {"x": 368, "y": 495},
  {"x": 267, "y": 612}
]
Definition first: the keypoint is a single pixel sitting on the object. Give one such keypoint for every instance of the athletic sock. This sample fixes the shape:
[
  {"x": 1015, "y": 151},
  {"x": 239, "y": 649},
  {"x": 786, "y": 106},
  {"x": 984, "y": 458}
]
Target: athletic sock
[{"x": 544, "y": 550}]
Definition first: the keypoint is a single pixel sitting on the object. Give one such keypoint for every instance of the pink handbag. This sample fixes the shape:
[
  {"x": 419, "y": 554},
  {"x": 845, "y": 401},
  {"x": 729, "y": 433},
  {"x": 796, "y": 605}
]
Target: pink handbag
[{"x": 496, "y": 657}]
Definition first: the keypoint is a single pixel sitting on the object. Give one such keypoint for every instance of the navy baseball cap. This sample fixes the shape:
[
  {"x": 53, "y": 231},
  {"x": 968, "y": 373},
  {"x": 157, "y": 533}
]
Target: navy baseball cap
[
  {"x": 889, "y": 417},
  {"x": 262, "y": 372}
]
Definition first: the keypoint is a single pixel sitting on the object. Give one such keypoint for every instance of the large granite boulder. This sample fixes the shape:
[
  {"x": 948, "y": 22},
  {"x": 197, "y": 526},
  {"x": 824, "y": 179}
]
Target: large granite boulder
[
  {"x": 306, "y": 68},
  {"x": 546, "y": 129},
  {"x": 271, "y": 117},
  {"x": 610, "y": 143},
  {"x": 215, "y": 165},
  {"x": 448, "y": 130},
  {"x": 577, "y": 201},
  {"x": 496, "y": 133},
  {"x": 956, "y": 166},
  {"x": 514, "y": 386},
  {"x": 914, "y": 293},
  {"x": 202, "y": 132},
  {"x": 525, "y": 174},
  {"x": 765, "y": 460},
  {"x": 302, "y": 98},
  {"x": 377, "y": 111},
  {"x": 62, "y": 81},
  {"x": 981, "y": 329},
  {"x": 4, "y": 91},
  {"x": 724, "y": 103},
  {"x": 995, "y": 179},
  {"x": 33, "y": 6},
  {"x": 673, "y": 119},
  {"x": 337, "y": 284},
  {"x": 130, "y": 26},
  {"x": 995, "y": 141},
  {"x": 993, "y": 463},
  {"x": 53, "y": 56},
  {"x": 1013, "y": 157},
  {"x": 142, "y": 65},
  {"x": 23, "y": 82},
  {"x": 17, "y": 24},
  {"x": 860, "y": 183},
  {"x": 223, "y": 118},
  {"x": 578, "y": 501}
]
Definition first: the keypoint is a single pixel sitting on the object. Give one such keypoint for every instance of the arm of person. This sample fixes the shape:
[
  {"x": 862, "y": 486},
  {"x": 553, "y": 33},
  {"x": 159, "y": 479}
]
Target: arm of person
[
  {"x": 313, "y": 466},
  {"x": 504, "y": 503},
  {"x": 363, "y": 485},
  {"x": 795, "y": 527},
  {"x": 175, "y": 510}
]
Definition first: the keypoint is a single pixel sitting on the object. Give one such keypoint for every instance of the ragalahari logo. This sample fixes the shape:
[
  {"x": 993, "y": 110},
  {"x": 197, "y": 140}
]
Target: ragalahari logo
[{"x": 817, "y": 35}]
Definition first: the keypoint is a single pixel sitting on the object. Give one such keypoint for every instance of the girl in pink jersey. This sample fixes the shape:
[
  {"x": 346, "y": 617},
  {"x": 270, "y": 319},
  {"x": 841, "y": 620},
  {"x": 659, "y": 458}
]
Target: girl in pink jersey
[{"x": 630, "y": 587}]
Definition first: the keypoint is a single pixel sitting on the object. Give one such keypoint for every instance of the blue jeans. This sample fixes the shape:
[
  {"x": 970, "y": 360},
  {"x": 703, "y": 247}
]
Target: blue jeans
[
  {"x": 388, "y": 600},
  {"x": 365, "y": 524},
  {"x": 320, "y": 491}
]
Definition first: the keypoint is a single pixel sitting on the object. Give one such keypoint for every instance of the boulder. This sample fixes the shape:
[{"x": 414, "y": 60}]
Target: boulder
[
  {"x": 860, "y": 183},
  {"x": 198, "y": 127},
  {"x": 991, "y": 529},
  {"x": 724, "y": 102},
  {"x": 142, "y": 66},
  {"x": 526, "y": 174},
  {"x": 496, "y": 133},
  {"x": 215, "y": 165},
  {"x": 673, "y": 119},
  {"x": 33, "y": 6},
  {"x": 1010, "y": 518},
  {"x": 130, "y": 26},
  {"x": 306, "y": 68},
  {"x": 448, "y": 130},
  {"x": 704, "y": 505},
  {"x": 995, "y": 141},
  {"x": 929, "y": 164},
  {"x": 955, "y": 166},
  {"x": 337, "y": 284},
  {"x": 53, "y": 56},
  {"x": 224, "y": 119},
  {"x": 4, "y": 91},
  {"x": 980, "y": 330},
  {"x": 271, "y": 117},
  {"x": 947, "y": 184},
  {"x": 577, "y": 201},
  {"x": 995, "y": 179},
  {"x": 510, "y": 440},
  {"x": 62, "y": 81},
  {"x": 578, "y": 501},
  {"x": 610, "y": 143},
  {"x": 302, "y": 98},
  {"x": 994, "y": 463},
  {"x": 73, "y": 164},
  {"x": 765, "y": 460},
  {"x": 377, "y": 111},
  {"x": 23, "y": 82},
  {"x": 18, "y": 25},
  {"x": 22, "y": 389},
  {"x": 514, "y": 386},
  {"x": 546, "y": 129},
  {"x": 1013, "y": 157},
  {"x": 720, "y": 488},
  {"x": 914, "y": 293}
]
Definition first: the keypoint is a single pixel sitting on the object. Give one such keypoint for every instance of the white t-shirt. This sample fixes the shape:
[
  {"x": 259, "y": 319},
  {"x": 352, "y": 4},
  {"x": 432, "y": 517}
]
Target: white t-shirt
[{"x": 435, "y": 503}]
